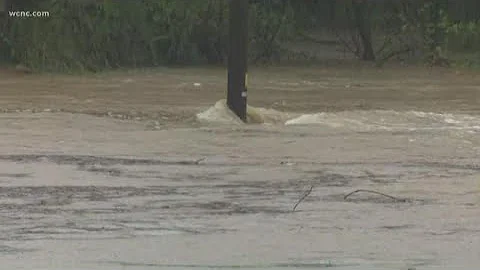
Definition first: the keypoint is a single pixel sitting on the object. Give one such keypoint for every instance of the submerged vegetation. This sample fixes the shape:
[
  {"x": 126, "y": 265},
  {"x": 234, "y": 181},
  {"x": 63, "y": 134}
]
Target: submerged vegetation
[{"x": 94, "y": 35}]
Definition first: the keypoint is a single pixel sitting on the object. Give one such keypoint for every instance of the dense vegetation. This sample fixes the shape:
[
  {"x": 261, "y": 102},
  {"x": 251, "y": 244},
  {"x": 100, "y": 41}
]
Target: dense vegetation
[{"x": 94, "y": 35}]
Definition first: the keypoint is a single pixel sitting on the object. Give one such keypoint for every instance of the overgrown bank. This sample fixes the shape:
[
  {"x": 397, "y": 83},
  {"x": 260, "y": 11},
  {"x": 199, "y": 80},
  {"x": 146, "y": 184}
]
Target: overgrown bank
[{"x": 96, "y": 35}]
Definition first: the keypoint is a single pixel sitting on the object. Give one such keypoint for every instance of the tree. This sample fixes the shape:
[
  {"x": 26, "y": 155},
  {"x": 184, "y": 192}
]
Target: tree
[{"x": 362, "y": 18}]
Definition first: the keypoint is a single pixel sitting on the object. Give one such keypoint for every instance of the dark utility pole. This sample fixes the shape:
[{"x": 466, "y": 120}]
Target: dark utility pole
[{"x": 237, "y": 58}]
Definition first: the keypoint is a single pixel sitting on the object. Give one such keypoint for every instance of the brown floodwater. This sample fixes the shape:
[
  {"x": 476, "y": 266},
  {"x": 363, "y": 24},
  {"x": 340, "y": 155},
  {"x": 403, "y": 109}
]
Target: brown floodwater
[{"x": 147, "y": 169}]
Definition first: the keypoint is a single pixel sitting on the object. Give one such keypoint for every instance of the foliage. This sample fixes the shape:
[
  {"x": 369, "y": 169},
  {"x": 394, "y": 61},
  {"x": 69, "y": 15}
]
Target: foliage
[
  {"x": 463, "y": 41},
  {"x": 86, "y": 35},
  {"x": 464, "y": 36},
  {"x": 100, "y": 34},
  {"x": 271, "y": 23},
  {"x": 433, "y": 26},
  {"x": 108, "y": 34}
]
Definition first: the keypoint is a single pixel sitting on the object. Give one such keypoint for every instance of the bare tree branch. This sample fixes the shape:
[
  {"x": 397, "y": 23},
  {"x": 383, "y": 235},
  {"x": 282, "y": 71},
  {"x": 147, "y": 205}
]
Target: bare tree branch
[
  {"x": 374, "y": 192},
  {"x": 305, "y": 195}
]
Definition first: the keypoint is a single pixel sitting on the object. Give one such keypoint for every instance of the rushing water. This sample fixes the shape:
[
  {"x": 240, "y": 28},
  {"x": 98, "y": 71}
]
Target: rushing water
[{"x": 205, "y": 191}]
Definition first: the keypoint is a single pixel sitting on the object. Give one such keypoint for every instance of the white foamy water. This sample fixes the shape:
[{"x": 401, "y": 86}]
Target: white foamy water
[
  {"x": 361, "y": 120},
  {"x": 221, "y": 114},
  {"x": 389, "y": 120}
]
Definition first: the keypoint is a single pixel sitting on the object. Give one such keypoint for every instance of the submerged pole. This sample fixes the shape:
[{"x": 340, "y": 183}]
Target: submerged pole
[{"x": 237, "y": 58}]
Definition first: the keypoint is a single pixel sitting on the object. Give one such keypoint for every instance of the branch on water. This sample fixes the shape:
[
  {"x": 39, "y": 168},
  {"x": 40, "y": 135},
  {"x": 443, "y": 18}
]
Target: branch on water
[
  {"x": 199, "y": 160},
  {"x": 305, "y": 195},
  {"x": 374, "y": 192}
]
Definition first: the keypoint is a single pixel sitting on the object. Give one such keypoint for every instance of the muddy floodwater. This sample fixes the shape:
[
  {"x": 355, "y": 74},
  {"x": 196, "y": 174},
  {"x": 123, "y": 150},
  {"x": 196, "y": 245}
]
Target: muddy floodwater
[{"x": 149, "y": 170}]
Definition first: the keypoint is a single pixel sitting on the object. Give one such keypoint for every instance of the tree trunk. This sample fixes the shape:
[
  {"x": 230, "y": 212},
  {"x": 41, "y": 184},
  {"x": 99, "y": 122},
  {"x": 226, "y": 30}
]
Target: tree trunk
[{"x": 364, "y": 28}]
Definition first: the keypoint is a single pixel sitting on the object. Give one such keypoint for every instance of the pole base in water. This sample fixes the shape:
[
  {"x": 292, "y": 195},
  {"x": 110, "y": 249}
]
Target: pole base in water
[{"x": 237, "y": 58}]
